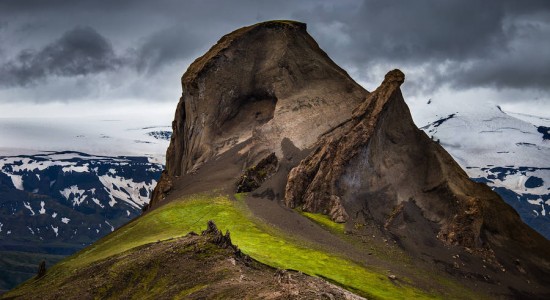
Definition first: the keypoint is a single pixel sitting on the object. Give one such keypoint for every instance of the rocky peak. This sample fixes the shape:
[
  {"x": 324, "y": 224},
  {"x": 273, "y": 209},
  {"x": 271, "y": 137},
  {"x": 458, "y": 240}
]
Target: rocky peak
[
  {"x": 316, "y": 183},
  {"x": 257, "y": 86},
  {"x": 378, "y": 167}
]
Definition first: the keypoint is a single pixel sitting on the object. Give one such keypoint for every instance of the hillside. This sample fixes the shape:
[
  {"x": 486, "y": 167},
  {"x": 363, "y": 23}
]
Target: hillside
[
  {"x": 259, "y": 240},
  {"x": 221, "y": 271}
]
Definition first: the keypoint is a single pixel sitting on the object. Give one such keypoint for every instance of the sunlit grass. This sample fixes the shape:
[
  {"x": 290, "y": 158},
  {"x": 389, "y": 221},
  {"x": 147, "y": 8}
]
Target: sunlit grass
[{"x": 325, "y": 221}]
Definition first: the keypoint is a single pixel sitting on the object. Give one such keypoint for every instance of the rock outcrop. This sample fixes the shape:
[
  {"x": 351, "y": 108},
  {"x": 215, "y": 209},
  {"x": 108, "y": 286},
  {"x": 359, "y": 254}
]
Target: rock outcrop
[
  {"x": 378, "y": 167},
  {"x": 318, "y": 183},
  {"x": 257, "y": 85}
]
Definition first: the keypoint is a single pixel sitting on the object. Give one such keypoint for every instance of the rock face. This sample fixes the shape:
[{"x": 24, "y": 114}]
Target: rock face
[
  {"x": 315, "y": 183},
  {"x": 258, "y": 85},
  {"x": 378, "y": 167}
]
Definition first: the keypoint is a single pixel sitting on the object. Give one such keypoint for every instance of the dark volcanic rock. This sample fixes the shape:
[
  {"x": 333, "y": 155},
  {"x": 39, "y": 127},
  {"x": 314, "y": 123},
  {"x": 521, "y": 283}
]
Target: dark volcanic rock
[
  {"x": 254, "y": 176},
  {"x": 257, "y": 85},
  {"x": 41, "y": 269},
  {"x": 314, "y": 184},
  {"x": 381, "y": 169}
]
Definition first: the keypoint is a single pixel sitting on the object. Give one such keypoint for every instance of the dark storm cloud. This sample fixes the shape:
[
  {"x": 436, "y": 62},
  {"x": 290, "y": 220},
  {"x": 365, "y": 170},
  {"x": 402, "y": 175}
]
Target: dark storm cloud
[
  {"x": 164, "y": 47},
  {"x": 80, "y": 51},
  {"x": 499, "y": 44},
  {"x": 523, "y": 63},
  {"x": 460, "y": 43}
]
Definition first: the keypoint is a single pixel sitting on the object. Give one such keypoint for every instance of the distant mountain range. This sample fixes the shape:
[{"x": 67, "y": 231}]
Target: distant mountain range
[
  {"x": 508, "y": 151},
  {"x": 53, "y": 203}
]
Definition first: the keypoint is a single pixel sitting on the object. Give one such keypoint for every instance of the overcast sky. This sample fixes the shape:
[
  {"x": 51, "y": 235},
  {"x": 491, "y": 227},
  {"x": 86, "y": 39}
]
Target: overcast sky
[{"x": 105, "y": 55}]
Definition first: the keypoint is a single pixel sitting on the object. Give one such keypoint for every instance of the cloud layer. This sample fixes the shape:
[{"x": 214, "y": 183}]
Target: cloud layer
[
  {"x": 79, "y": 52},
  {"x": 457, "y": 44}
]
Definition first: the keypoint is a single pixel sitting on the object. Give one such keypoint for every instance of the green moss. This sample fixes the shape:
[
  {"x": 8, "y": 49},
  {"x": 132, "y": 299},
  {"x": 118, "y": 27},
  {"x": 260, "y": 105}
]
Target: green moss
[
  {"x": 255, "y": 238},
  {"x": 325, "y": 221},
  {"x": 240, "y": 197},
  {"x": 190, "y": 291}
]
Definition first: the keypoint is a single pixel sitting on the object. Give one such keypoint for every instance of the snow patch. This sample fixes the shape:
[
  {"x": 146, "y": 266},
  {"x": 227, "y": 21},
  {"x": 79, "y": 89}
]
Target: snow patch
[
  {"x": 42, "y": 209},
  {"x": 535, "y": 202},
  {"x": 78, "y": 169},
  {"x": 27, "y": 165},
  {"x": 54, "y": 215},
  {"x": 112, "y": 228},
  {"x": 112, "y": 202},
  {"x": 78, "y": 195},
  {"x": 17, "y": 181},
  {"x": 28, "y": 206},
  {"x": 96, "y": 201},
  {"x": 55, "y": 229},
  {"x": 126, "y": 190},
  {"x": 65, "y": 220}
]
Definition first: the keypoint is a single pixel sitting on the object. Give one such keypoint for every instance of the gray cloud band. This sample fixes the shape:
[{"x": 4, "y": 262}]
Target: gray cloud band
[
  {"x": 462, "y": 44},
  {"x": 80, "y": 51}
]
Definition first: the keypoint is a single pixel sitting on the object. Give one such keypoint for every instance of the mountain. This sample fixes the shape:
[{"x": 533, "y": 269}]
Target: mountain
[
  {"x": 55, "y": 203},
  {"x": 242, "y": 90},
  {"x": 308, "y": 172},
  {"x": 507, "y": 151},
  {"x": 66, "y": 182}
]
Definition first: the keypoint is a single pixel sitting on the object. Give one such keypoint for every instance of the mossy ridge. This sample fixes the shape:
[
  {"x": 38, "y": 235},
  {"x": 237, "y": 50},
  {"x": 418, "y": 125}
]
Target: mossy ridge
[
  {"x": 257, "y": 239},
  {"x": 325, "y": 221}
]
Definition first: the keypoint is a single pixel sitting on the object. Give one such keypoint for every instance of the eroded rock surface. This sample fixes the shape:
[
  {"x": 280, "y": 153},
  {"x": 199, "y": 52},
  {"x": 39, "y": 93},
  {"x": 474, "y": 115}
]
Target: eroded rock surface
[
  {"x": 378, "y": 167},
  {"x": 257, "y": 85}
]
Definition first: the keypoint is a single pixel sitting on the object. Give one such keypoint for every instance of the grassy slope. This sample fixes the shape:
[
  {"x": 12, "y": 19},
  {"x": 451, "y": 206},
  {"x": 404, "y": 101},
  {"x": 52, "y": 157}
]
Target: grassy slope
[
  {"x": 325, "y": 221},
  {"x": 18, "y": 266},
  {"x": 254, "y": 237}
]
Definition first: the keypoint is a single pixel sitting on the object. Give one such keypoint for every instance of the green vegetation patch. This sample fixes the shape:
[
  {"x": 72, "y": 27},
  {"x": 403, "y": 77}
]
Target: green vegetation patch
[
  {"x": 255, "y": 238},
  {"x": 325, "y": 221}
]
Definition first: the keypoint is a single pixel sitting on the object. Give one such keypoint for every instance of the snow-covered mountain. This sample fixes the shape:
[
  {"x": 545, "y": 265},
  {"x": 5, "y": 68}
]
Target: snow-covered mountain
[
  {"x": 510, "y": 152},
  {"x": 54, "y": 201}
]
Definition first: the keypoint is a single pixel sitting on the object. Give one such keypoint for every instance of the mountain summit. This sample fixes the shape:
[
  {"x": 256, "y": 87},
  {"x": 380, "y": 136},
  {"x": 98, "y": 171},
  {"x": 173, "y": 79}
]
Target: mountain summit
[
  {"x": 258, "y": 85},
  {"x": 339, "y": 183}
]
